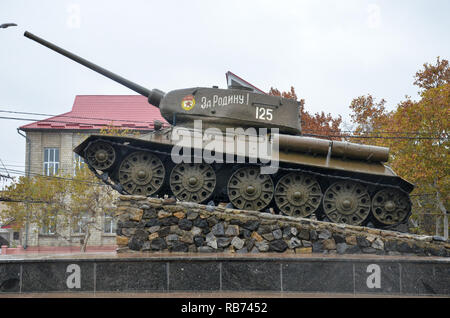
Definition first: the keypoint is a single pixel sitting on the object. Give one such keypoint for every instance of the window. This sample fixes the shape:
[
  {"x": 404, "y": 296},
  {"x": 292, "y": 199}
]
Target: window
[
  {"x": 79, "y": 224},
  {"x": 110, "y": 224},
  {"x": 51, "y": 161},
  {"x": 78, "y": 164},
  {"x": 49, "y": 227}
]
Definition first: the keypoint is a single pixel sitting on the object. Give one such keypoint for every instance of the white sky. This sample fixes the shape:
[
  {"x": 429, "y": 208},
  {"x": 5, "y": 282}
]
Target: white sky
[{"x": 330, "y": 51}]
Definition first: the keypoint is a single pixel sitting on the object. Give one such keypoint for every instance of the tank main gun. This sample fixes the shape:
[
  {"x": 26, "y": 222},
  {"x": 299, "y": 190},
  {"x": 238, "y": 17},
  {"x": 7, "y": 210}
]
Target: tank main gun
[{"x": 154, "y": 96}]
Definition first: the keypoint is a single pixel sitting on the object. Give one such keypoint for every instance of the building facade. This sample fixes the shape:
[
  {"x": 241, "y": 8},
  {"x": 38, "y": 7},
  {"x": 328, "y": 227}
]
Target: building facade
[{"x": 49, "y": 150}]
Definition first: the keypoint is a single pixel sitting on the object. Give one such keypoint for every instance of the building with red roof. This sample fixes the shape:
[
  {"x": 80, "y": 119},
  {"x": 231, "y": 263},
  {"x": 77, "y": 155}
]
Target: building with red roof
[{"x": 50, "y": 143}]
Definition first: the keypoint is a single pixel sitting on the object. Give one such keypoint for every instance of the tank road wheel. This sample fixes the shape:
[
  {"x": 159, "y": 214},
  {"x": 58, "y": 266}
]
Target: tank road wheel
[
  {"x": 347, "y": 202},
  {"x": 193, "y": 181},
  {"x": 298, "y": 194},
  {"x": 100, "y": 155},
  {"x": 390, "y": 206},
  {"x": 141, "y": 173},
  {"x": 248, "y": 189}
]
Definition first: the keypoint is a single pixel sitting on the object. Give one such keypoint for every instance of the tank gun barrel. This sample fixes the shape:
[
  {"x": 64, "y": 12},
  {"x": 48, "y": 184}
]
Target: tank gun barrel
[{"x": 154, "y": 96}]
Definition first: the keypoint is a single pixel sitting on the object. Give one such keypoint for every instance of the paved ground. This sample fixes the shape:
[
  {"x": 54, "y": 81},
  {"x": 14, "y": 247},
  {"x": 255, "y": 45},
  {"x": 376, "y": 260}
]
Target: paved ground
[{"x": 224, "y": 295}]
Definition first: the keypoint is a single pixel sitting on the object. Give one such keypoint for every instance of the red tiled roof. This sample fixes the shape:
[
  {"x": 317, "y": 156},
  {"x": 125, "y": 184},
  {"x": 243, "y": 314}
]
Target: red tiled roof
[{"x": 98, "y": 111}]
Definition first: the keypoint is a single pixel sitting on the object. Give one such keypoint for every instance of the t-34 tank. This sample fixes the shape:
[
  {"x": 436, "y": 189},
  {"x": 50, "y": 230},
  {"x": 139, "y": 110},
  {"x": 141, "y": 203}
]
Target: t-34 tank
[{"x": 208, "y": 154}]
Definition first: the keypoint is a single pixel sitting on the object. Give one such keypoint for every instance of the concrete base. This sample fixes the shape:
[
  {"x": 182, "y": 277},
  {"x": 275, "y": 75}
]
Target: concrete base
[{"x": 168, "y": 273}]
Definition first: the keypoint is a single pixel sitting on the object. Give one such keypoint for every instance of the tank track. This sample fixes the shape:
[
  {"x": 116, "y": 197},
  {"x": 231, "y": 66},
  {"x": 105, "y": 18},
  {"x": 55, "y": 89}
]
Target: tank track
[{"x": 294, "y": 190}]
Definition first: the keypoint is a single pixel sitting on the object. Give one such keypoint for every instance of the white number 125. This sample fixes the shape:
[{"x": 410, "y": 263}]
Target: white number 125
[{"x": 263, "y": 113}]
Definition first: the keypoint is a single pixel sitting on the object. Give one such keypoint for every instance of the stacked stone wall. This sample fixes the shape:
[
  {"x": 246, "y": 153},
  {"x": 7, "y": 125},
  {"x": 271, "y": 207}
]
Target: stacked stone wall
[{"x": 164, "y": 225}]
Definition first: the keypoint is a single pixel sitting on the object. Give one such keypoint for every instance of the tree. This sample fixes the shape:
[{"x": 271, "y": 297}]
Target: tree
[
  {"x": 417, "y": 134},
  {"x": 59, "y": 203},
  {"x": 319, "y": 125}
]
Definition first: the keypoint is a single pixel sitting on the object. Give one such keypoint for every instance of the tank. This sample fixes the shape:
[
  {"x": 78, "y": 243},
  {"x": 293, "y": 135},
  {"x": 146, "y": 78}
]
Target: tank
[{"x": 245, "y": 149}]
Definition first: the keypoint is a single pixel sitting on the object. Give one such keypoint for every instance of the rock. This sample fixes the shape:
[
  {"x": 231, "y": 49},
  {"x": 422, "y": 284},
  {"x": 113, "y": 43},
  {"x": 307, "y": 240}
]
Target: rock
[
  {"x": 201, "y": 223},
  {"x": 351, "y": 240},
  {"x": 136, "y": 214},
  {"x": 353, "y": 249},
  {"x": 169, "y": 201},
  {"x": 128, "y": 231},
  {"x": 306, "y": 243},
  {"x": 146, "y": 246},
  {"x": 237, "y": 242},
  {"x": 313, "y": 235},
  {"x": 179, "y": 215},
  {"x": 290, "y": 231},
  {"x": 154, "y": 229},
  {"x": 158, "y": 244},
  {"x": 255, "y": 250},
  {"x": 218, "y": 229},
  {"x": 212, "y": 243},
  {"x": 171, "y": 238},
  {"x": 264, "y": 228},
  {"x": 251, "y": 225},
  {"x": 191, "y": 215},
  {"x": 329, "y": 244},
  {"x": 167, "y": 221},
  {"x": 324, "y": 235},
  {"x": 303, "y": 234},
  {"x": 180, "y": 247},
  {"x": 205, "y": 249},
  {"x": 223, "y": 241},
  {"x": 196, "y": 231},
  {"x": 362, "y": 241},
  {"x": 304, "y": 250},
  {"x": 294, "y": 243},
  {"x": 210, "y": 208},
  {"x": 164, "y": 231},
  {"x": 317, "y": 247},
  {"x": 371, "y": 238},
  {"x": 262, "y": 246},
  {"x": 153, "y": 236},
  {"x": 232, "y": 230},
  {"x": 198, "y": 241},
  {"x": 368, "y": 250},
  {"x": 185, "y": 224},
  {"x": 256, "y": 237},
  {"x": 152, "y": 222},
  {"x": 338, "y": 238},
  {"x": 122, "y": 240},
  {"x": 212, "y": 221},
  {"x": 149, "y": 213},
  {"x": 378, "y": 244},
  {"x": 268, "y": 236},
  {"x": 242, "y": 250},
  {"x": 245, "y": 233},
  {"x": 210, "y": 237},
  {"x": 163, "y": 214},
  {"x": 341, "y": 248},
  {"x": 277, "y": 234},
  {"x": 144, "y": 206},
  {"x": 135, "y": 243},
  {"x": 278, "y": 246},
  {"x": 250, "y": 243},
  {"x": 187, "y": 237}
]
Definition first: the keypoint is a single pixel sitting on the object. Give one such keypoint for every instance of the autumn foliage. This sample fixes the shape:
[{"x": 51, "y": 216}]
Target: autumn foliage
[{"x": 319, "y": 125}]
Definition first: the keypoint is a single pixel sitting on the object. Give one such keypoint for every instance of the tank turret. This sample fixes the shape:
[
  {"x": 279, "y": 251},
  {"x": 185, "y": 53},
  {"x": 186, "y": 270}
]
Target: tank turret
[{"x": 216, "y": 107}]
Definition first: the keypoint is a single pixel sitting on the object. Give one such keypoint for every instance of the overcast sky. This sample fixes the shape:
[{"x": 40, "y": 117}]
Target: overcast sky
[{"x": 330, "y": 51}]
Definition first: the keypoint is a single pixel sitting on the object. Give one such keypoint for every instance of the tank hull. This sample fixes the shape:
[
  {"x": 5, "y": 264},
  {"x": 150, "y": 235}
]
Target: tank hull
[{"x": 344, "y": 188}]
